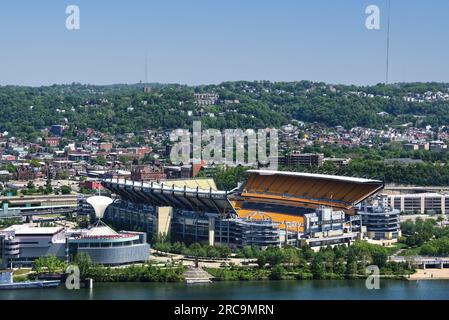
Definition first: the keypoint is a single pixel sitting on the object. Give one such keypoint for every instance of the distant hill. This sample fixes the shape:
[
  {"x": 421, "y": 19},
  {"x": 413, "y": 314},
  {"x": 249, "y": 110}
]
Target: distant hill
[{"x": 126, "y": 108}]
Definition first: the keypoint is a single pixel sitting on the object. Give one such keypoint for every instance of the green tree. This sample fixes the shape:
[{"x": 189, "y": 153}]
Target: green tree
[
  {"x": 99, "y": 160},
  {"x": 84, "y": 263},
  {"x": 278, "y": 272},
  {"x": 50, "y": 264},
  {"x": 307, "y": 252},
  {"x": 318, "y": 268},
  {"x": 261, "y": 259},
  {"x": 351, "y": 268},
  {"x": 65, "y": 190},
  {"x": 124, "y": 159},
  {"x": 380, "y": 258},
  {"x": 62, "y": 175}
]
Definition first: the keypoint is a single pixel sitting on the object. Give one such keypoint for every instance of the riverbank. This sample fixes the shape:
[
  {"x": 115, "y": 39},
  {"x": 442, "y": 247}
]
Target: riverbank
[
  {"x": 176, "y": 273},
  {"x": 246, "y": 290},
  {"x": 430, "y": 274}
]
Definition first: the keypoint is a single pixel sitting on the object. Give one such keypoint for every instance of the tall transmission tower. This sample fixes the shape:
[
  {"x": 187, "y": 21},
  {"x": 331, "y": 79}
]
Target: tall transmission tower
[
  {"x": 388, "y": 44},
  {"x": 146, "y": 67}
]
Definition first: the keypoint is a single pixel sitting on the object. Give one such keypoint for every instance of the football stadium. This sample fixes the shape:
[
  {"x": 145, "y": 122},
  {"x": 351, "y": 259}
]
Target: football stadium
[{"x": 270, "y": 208}]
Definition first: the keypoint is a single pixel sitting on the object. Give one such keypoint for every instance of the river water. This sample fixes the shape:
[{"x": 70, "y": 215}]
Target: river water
[{"x": 252, "y": 290}]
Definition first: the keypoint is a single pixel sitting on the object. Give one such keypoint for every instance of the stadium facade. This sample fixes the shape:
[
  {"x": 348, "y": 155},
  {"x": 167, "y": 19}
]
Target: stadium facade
[
  {"x": 381, "y": 223},
  {"x": 270, "y": 208}
]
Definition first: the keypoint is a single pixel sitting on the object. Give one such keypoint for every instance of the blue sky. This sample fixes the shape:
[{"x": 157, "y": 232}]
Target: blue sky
[{"x": 210, "y": 41}]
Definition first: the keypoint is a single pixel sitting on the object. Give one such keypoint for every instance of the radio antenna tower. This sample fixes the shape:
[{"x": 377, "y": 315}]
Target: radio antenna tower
[
  {"x": 388, "y": 43},
  {"x": 146, "y": 67}
]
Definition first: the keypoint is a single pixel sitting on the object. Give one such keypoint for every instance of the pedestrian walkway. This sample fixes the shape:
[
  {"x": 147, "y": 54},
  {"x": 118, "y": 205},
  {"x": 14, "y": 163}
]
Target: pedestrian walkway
[{"x": 197, "y": 275}]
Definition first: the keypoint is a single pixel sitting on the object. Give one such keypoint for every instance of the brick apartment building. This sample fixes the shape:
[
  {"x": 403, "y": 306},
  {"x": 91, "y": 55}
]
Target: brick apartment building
[{"x": 151, "y": 172}]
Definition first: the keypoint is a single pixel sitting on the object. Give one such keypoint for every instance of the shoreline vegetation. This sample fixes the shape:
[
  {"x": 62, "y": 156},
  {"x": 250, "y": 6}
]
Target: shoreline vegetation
[
  {"x": 146, "y": 272},
  {"x": 170, "y": 261},
  {"x": 273, "y": 263}
]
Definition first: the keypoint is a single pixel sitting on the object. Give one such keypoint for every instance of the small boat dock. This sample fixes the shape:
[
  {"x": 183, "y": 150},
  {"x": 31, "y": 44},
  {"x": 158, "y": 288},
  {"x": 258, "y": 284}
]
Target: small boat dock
[{"x": 7, "y": 283}]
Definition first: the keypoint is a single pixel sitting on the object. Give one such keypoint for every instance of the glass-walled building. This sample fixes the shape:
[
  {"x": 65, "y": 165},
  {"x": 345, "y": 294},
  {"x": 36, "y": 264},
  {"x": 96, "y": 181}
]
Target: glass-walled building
[
  {"x": 381, "y": 223},
  {"x": 108, "y": 247}
]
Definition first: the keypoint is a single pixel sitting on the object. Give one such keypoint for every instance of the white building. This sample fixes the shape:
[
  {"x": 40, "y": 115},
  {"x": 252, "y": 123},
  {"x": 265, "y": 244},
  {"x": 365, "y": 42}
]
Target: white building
[
  {"x": 418, "y": 203},
  {"x": 20, "y": 245}
]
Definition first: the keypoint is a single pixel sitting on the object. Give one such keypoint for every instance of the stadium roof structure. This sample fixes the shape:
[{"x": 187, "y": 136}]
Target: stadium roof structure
[
  {"x": 307, "y": 189},
  {"x": 168, "y": 194},
  {"x": 202, "y": 183}
]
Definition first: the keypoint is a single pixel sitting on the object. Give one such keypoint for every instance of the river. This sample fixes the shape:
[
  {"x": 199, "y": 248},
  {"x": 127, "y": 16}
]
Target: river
[{"x": 253, "y": 290}]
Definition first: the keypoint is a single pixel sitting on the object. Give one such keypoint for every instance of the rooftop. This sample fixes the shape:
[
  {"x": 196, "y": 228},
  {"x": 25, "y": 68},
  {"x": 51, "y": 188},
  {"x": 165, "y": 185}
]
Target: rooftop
[
  {"x": 314, "y": 175},
  {"x": 100, "y": 231},
  {"x": 191, "y": 197},
  {"x": 29, "y": 230}
]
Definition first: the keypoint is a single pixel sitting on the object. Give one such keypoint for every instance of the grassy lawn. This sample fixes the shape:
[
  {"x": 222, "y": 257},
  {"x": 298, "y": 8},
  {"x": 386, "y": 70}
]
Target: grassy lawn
[
  {"x": 406, "y": 250},
  {"x": 396, "y": 247},
  {"x": 411, "y": 251}
]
